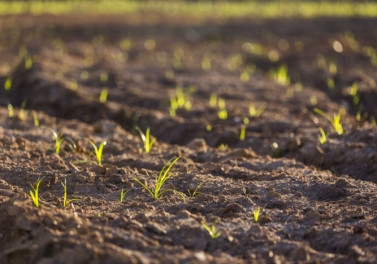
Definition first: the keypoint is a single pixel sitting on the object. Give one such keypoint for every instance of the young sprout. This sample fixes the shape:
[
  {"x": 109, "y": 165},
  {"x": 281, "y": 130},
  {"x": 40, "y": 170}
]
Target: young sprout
[
  {"x": 222, "y": 147},
  {"x": 331, "y": 83},
  {"x": 8, "y": 84},
  {"x": 122, "y": 194},
  {"x": 22, "y": 115},
  {"x": 211, "y": 230},
  {"x": 28, "y": 63},
  {"x": 222, "y": 113},
  {"x": 243, "y": 133},
  {"x": 256, "y": 112},
  {"x": 10, "y": 111},
  {"x": 98, "y": 151},
  {"x": 209, "y": 127},
  {"x": 66, "y": 202},
  {"x": 335, "y": 121},
  {"x": 213, "y": 100},
  {"x": 256, "y": 215},
  {"x": 58, "y": 141},
  {"x": 354, "y": 94},
  {"x": 35, "y": 118},
  {"x": 103, "y": 95},
  {"x": 147, "y": 140},
  {"x": 245, "y": 76},
  {"x": 281, "y": 75},
  {"x": 196, "y": 191},
  {"x": 206, "y": 64},
  {"x": 275, "y": 149},
  {"x": 163, "y": 176},
  {"x": 34, "y": 192},
  {"x": 322, "y": 137}
]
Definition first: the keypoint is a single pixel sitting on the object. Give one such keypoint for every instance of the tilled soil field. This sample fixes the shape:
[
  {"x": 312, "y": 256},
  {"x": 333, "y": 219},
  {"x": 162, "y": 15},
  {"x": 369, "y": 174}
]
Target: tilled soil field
[{"x": 317, "y": 201}]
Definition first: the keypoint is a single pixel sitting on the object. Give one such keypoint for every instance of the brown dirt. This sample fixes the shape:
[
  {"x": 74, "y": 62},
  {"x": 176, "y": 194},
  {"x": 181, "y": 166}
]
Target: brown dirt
[{"x": 318, "y": 202}]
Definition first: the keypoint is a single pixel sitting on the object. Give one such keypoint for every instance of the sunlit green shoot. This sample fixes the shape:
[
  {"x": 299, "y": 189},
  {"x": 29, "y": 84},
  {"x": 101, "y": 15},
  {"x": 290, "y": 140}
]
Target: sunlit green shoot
[
  {"x": 209, "y": 127},
  {"x": 333, "y": 68},
  {"x": 245, "y": 76},
  {"x": 163, "y": 176},
  {"x": 22, "y": 115},
  {"x": 8, "y": 84},
  {"x": 66, "y": 201},
  {"x": 10, "y": 111},
  {"x": 335, "y": 120},
  {"x": 331, "y": 83},
  {"x": 122, "y": 195},
  {"x": 103, "y": 95},
  {"x": 256, "y": 214},
  {"x": 358, "y": 116},
  {"x": 256, "y": 112},
  {"x": 148, "y": 141},
  {"x": 98, "y": 151},
  {"x": 212, "y": 231},
  {"x": 35, "y": 118},
  {"x": 242, "y": 133},
  {"x": 281, "y": 75},
  {"x": 222, "y": 113},
  {"x": 353, "y": 92},
  {"x": 196, "y": 191},
  {"x": 276, "y": 149},
  {"x": 313, "y": 100},
  {"x": 34, "y": 192},
  {"x": 222, "y": 147},
  {"x": 213, "y": 100},
  {"x": 322, "y": 136},
  {"x": 58, "y": 141},
  {"x": 104, "y": 77}
]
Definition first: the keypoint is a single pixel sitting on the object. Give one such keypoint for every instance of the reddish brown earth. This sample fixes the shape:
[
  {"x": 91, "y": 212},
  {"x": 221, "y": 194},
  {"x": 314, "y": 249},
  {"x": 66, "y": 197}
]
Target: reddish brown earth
[{"x": 317, "y": 202}]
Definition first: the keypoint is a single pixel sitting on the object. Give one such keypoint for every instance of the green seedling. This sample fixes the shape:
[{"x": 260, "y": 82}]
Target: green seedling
[
  {"x": 104, "y": 77},
  {"x": 209, "y": 127},
  {"x": 335, "y": 121},
  {"x": 196, "y": 191},
  {"x": 245, "y": 76},
  {"x": 243, "y": 133},
  {"x": 98, "y": 151},
  {"x": 211, "y": 230},
  {"x": 213, "y": 100},
  {"x": 222, "y": 147},
  {"x": 163, "y": 176},
  {"x": 35, "y": 118},
  {"x": 256, "y": 112},
  {"x": 22, "y": 115},
  {"x": 322, "y": 136},
  {"x": 103, "y": 95},
  {"x": 8, "y": 84},
  {"x": 222, "y": 113},
  {"x": 34, "y": 192},
  {"x": 353, "y": 92},
  {"x": 10, "y": 111},
  {"x": 281, "y": 75},
  {"x": 181, "y": 99},
  {"x": 122, "y": 195},
  {"x": 147, "y": 140},
  {"x": 58, "y": 141},
  {"x": 333, "y": 69},
  {"x": 66, "y": 202},
  {"x": 331, "y": 83},
  {"x": 256, "y": 214}
]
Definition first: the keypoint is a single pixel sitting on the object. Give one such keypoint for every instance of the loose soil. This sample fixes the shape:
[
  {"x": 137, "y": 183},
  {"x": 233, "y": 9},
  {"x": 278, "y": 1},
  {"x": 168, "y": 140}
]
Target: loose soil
[{"x": 317, "y": 201}]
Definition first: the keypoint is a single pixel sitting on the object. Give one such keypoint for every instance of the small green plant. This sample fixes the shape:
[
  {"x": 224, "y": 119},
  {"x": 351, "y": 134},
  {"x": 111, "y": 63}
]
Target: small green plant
[
  {"x": 122, "y": 195},
  {"x": 8, "y": 84},
  {"x": 276, "y": 150},
  {"x": 163, "y": 176},
  {"x": 34, "y": 192},
  {"x": 353, "y": 92},
  {"x": 322, "y": 136},
  {"x": 281, "y": 75},
  {"x": 222, "y": 113},
  {"x": 28, "y": 63},
  {"x": 256, "y": 112},
  {"x": 58, "y": 141},
  {"x": 147, "y": 140},
  {"x": 206, "y": 63},
  {"x": 181, "y": 99},
  {"x": 222, "y": 147},
  {"x": 35, "y": 118},
  {"x": 103, "y": 95},
  {"x": 98, "y": 151},
  {"x": 256, "y": 215},
  {"x": 242, "y": 133},
  {"x": 212, "y": 231},
  {"x": 213, "y": 100},
  {"x": 335, "y": 120},
  {"x": 22, "y": 115},
  {"x": 331, "y": 83},
  {"x": 66, "y": 202},
  {"x": 196, "y": 191},
  {"x": 10, "y": 111}
]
